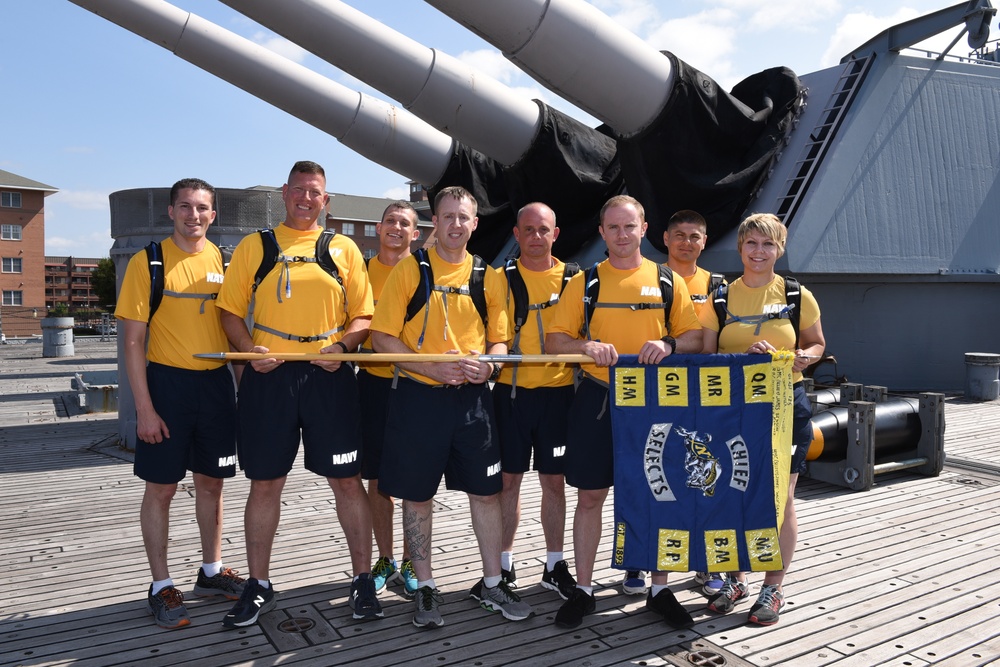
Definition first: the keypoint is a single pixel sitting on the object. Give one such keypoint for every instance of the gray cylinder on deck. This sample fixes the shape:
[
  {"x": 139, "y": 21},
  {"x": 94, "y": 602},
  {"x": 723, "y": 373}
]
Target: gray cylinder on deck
[
  {"x": 140, "y": 216},
  {"x": 57, "y": 337},
  {"x": 982, "y": 376}
]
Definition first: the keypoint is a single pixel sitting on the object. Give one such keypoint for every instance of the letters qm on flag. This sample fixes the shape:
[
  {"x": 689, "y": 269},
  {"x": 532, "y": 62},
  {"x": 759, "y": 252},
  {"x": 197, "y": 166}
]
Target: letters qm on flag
[{"x": 702, "y": 448}]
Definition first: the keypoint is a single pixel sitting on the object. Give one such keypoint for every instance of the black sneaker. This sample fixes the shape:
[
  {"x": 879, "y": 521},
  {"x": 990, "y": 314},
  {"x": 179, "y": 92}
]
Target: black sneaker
[
  {"x": 254, "y": 601},
  {"x": 571, "y": 614},
  {"x": 667, "y": 606},
  {"x": 427, "y": 614},
  {"x": 225, "y": 583},
  {"x": 768, "y": 606},
  {"x": 559, "y": 580},
  {"x": 509, "y": 576},
  {"x": 363, "y": 601},
  {"x": 476, "y": 592}
]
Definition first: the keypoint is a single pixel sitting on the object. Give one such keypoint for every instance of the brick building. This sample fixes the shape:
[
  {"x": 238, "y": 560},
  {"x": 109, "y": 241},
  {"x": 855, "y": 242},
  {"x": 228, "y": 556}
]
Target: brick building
[
  {"x": 67, "y": 282},
  {"x": 22, "y": 253},
  {"x": 356, "y": 217}
]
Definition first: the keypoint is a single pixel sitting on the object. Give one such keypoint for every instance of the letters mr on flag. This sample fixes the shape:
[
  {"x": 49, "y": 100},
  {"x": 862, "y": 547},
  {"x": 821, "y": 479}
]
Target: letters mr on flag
[{"x": 702, "y": 449}]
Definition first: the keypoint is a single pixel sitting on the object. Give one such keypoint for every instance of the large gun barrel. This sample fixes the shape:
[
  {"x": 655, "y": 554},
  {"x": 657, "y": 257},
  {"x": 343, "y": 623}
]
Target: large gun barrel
[
  {"x": 575, "y": 50},
  {"x": 471, "y": 106},
  {"x": 379, "y": 131}
]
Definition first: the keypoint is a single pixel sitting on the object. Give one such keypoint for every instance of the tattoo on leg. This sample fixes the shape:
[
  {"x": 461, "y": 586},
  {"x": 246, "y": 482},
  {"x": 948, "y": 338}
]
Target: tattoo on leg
[{"x": 417, "y": 533}]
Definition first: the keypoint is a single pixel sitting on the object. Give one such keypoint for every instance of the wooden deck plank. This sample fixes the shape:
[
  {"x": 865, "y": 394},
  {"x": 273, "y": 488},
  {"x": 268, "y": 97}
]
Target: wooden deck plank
[{"x": 886, "y": 577}]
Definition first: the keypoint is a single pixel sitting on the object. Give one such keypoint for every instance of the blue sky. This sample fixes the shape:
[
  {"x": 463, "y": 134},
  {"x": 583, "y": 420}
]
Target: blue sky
[{"x": 90, "y": 108}]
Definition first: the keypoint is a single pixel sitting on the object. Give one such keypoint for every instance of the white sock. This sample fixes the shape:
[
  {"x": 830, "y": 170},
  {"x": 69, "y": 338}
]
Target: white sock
[
  {"x": 212, "y": 569},
  {"x": 589, "y": 590},
  {"x": 429, "y": 583},
  {"x": 160, "y": 585},
  {"x": 492, "y": 582},
  {"x": 656, "y": 588},
  {"x": 506, "y": 559},
  {"x": 551, "y": 558},
  {"x": 264, "y": 583}
]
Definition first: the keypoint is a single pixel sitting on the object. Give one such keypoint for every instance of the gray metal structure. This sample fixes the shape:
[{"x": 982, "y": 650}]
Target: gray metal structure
[{"x": 888, "y": 181}]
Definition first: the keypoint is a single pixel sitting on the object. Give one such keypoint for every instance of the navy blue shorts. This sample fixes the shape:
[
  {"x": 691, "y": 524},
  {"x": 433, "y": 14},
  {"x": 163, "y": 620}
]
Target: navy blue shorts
[
  {"x": 590, "y": 451},
  {"x": 802, "y": 430},
  {"x": 299, "y": 401},
  {"x": 434, "y": 431},
  {"x": 374, "y": 399},
  {"x": 533, "y": 419},
  {"x": 199, "y": 409}
]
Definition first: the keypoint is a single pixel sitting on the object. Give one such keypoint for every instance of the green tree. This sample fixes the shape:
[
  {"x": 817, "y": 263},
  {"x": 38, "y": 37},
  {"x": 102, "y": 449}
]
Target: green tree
[{"x": 103, "y": 281}]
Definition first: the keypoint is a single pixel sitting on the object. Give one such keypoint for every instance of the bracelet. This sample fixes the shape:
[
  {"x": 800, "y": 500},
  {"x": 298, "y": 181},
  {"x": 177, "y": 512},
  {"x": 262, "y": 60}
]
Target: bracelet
[
  {"x": 495, "y": 375},
  {"x": 341, "y": 344},
  {"x": 671, "y": 341}
]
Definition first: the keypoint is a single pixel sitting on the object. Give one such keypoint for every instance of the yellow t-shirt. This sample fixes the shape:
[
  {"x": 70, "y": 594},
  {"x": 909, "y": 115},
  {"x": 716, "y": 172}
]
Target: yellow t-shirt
[
  {"x": 743, "y": 301},
  {"x": 455, "y": 327},
  {"x": 543, "y": 286},
  {"x": 697, "y": 284},
  {"x": 378, "y": 273},
  {"x": 303, "y": 300},
  {"x": 626, "y": 329},
  {"x": 182, "y": 326}
]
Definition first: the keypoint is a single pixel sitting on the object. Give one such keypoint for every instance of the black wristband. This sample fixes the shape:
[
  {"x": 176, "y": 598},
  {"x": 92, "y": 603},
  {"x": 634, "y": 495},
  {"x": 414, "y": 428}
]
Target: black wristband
[
  {"x": 495, "y": 375},
  {"x": 341, "y": 344},
  {"x": 672, "y": 342}
]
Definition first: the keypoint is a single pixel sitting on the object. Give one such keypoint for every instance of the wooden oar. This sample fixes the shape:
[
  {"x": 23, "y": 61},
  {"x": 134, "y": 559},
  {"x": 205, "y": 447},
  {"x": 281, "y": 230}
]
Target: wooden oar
[{"x": 388, "y": 357}]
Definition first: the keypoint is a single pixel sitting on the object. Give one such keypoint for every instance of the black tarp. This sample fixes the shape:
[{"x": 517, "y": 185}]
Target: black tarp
[
  {"x": 708, "y": 150},
  {"x": 569, "y": 166}
]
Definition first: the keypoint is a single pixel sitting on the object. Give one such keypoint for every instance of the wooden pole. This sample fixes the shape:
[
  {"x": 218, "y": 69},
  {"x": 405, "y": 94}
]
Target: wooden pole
[{"x": 385, "y": 357}]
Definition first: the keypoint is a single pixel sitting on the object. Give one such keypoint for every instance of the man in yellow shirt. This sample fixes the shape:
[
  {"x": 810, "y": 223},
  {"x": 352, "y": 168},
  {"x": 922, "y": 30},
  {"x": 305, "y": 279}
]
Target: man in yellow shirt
[
  {"x": 185, "y": 407},
  {"x": 532, "y": 401},
  {"x": 299, "y": 306},
  {"x": 396, "y": 231},
  {"x": 615, "y": 327},
  {"x": 440, "y": 415}
]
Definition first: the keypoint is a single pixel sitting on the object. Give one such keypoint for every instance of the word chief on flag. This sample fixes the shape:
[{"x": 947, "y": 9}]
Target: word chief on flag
[{"x": 702, "y": 454}]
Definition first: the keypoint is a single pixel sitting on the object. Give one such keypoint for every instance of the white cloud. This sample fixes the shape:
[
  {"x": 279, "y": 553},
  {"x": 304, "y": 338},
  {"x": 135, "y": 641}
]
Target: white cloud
[
  {"x": 634, "y": 15},
  {"x": 783, "y": 15},
  {"x": 856, "y": 29},
  {"x": 95, "y": 243},
  {"x": 281, "y": 46},
  {"x": 492, "y": 63},
  {"x": 401, "y": 192},
  {"x": 80, "y": 150},
  {"x": 706, "y": 41},
  {"x": 85, "y": 200}
]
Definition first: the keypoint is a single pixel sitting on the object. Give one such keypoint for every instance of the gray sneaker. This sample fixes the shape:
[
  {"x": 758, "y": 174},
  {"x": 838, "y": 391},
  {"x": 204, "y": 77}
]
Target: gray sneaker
[
  {"x": 505, "y": 601},
  {"x": 167, "y": 607},
  {"x": 426, "y": 614},
  {"x": 226, "y": 583}
]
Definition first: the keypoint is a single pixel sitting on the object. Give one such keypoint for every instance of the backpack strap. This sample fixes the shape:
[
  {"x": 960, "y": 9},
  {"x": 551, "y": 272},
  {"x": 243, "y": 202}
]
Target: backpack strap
[
  {"x": 273, "y": 255},
  {"x": 791, "y": 311},
  {"x": 475, "y": 289},
  {"x": 154, "y": 259},
  {"x": 793, "y": 297},
  {"x": 593, "y": 286}
]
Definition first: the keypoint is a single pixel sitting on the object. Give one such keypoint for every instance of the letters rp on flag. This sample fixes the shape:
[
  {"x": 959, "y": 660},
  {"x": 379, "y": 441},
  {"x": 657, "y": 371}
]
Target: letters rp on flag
[{"x": 702, "y": 448}]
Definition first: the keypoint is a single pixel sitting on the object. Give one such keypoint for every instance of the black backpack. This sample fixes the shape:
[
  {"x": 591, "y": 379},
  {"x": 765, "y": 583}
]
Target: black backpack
[
  {"x": 154, "y": 260},
  {"x": 519, "y": 293},
  {"x": 476, "y": 289},
  {"x": 593, "y": 288},
  {"x": 793, "y": 301}
]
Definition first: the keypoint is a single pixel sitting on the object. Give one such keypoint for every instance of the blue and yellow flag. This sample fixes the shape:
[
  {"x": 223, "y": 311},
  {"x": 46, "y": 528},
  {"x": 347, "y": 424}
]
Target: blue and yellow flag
[{"x": 702, "y": 449}]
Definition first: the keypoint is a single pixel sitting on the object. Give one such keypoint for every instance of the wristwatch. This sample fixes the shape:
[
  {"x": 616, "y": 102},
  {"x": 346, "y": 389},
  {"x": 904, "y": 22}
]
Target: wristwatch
[
  {"x": 672, "y": 342},
  {"x": 495, "y": 375}
]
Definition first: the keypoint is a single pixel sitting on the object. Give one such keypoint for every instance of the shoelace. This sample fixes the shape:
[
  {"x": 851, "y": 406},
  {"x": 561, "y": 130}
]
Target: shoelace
[
  {"x": 382, "y": 566},
  {"x": 769, "y": 597},
  {"x": 426, "y": 597},
  {"x": 172, "y": 597},
  {"x": 230, "y": 573}
]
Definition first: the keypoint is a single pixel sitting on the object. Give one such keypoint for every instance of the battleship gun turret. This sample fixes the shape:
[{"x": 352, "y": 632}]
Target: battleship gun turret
[{"x": 887, "y": 180}]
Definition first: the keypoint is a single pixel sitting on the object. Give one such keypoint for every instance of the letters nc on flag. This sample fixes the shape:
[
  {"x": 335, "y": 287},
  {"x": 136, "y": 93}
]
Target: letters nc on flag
[{"x": 702, "y": 448}]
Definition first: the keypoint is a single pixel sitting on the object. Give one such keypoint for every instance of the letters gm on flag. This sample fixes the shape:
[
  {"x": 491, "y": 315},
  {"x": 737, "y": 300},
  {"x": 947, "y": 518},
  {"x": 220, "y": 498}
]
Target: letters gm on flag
[{"x": 702, "y": 448}]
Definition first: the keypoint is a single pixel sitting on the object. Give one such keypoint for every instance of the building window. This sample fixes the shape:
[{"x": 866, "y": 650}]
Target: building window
[
  {"x": 347, "y": 229},
  {"x": 369, "y": 230},
  {"x": 12, "y": 265},
  {"x": 371, "y": 252},
  {"x": 10, "y": 232},
  {"x": 13, "y": 297},
  {"x": 10, "y": 199}
]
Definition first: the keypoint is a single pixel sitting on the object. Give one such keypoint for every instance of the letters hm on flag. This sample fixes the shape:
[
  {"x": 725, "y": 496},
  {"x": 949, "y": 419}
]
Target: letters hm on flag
[{"x": 702, "y": 454}]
